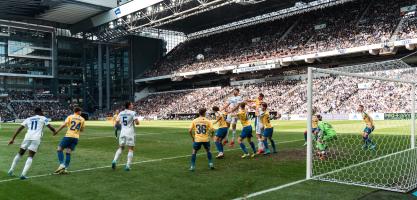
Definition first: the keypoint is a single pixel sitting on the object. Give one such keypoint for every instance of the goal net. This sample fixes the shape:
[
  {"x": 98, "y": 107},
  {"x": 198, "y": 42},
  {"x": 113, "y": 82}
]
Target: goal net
[{"x": 374, "y": 148}]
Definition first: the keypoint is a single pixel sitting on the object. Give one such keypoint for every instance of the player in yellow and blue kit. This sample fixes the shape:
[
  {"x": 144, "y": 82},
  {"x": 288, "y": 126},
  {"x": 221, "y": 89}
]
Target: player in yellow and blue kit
[
  {"x": 370, "y": 127},
  {"x": 242, "y": 115},
  {"x": 222, "y": 130},
  {"x": 75, "y": 124},
  {"x": 117, "y": 126},
  {"x": 258, "y": 124},
  {"x": 268, "y": 130},
  {"x": 200, "y": 131}
]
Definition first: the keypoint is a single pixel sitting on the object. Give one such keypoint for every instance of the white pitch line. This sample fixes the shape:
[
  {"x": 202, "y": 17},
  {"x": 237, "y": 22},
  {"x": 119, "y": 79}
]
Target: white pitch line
[
  {"x": 86, "y": 138},
  {"x": 134, "y": 163},
  {"x": 271, "y": 189}
]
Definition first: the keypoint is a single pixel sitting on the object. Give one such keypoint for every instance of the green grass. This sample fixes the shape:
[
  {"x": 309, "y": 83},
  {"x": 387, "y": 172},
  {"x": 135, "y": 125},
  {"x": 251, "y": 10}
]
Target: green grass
[{"x": 162, "y": 161}]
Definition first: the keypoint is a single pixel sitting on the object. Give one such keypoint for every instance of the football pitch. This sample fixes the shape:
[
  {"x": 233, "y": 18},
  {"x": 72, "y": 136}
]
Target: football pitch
[{"x": 161, "y": 162}]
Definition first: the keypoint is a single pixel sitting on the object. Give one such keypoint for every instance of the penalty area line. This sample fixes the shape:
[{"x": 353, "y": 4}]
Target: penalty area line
[
  {"x": 271, "y": 189},
  {"x": 134, "y": 163}
]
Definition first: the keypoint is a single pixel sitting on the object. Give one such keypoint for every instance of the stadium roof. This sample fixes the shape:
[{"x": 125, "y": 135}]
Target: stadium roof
[
  {"x": 227, "y": 14},
  {"x": 192, "y": 17},
  {"x": 53, "y": 11}
]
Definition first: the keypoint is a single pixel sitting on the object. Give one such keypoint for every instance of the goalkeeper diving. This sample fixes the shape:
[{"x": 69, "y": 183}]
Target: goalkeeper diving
[{"x": 325, "y": 134}]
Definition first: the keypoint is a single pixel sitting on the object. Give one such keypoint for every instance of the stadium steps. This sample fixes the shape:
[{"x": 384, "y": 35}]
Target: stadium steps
[
  {"x": 290, "y": 29},
  {"x": 399, "y": 27},
  {"x": 364, "y": 13},
  {"x": 142, "y": 94},
  {"x": 10, "y": 108}
]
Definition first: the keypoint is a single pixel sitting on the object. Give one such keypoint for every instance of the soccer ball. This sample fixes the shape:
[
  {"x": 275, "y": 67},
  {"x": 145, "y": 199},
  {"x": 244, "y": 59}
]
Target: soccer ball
[{"x": 200, "y": 57}]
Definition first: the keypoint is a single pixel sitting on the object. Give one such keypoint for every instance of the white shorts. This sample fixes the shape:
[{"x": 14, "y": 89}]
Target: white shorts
[
  {"x": 231, "y": 120},
  {"x": 259, "y": 126},
  {"x": 32, "y": 145},
  {"x": 125, "y": 140}
]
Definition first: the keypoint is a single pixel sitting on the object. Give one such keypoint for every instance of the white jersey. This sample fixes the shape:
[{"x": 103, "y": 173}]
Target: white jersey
[
  {"x": 35, "y": 126},
  {"x": 233, "y": 102},
  {"x": 127, "y": 120}
]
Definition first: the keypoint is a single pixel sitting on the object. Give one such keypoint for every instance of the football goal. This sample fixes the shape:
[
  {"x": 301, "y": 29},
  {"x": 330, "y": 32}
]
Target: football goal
[{"x": 361, "y": 125}]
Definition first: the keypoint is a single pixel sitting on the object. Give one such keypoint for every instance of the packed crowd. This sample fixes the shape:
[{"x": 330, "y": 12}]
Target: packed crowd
[
  {"x": 22, "y": 104},
  {"x": 52, "y": 109},
  {"x": 349, "y": 25},
  {"x": 409, "y": 28},
  {"x": 332, "y": 94},
  {"x": 5, "y": 113}
]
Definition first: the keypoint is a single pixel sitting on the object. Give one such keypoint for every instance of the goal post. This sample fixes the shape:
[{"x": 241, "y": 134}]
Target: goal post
[{"x": 387, "y": 157}]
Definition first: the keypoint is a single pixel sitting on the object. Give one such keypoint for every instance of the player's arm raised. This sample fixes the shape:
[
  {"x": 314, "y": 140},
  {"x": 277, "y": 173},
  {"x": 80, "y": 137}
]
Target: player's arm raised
[
  {"x": 15, "y": 134},
  {"x": 225, "y": 106}
]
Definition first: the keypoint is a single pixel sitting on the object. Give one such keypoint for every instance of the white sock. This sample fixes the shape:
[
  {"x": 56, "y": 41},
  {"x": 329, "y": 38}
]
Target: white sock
[
  {"x": 260, "y": 144},
  {"x": 129, "y": 158},
  {"x": 233, "y": 135},
  {"x": 27, "y": 166},
  {"x": 117, "y": 155},
  {"x": 15, "y": 160}
]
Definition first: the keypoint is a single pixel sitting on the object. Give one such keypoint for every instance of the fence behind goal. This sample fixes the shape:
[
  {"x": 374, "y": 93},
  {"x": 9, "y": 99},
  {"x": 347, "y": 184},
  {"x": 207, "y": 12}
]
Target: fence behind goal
[{"x": 388, "y": 159}]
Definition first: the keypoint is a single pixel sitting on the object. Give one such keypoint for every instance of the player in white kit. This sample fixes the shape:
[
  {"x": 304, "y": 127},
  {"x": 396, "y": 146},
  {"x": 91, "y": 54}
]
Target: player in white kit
[
  {"x": 31, "y": 141},
  {"x": 127, "y": 119},
  {"x": 231, "y": 108}
]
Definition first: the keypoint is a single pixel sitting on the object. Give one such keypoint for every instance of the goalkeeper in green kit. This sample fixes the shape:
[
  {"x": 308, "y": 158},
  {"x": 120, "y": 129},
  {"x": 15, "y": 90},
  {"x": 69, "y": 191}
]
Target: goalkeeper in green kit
[{"x": 325, "y": 134}]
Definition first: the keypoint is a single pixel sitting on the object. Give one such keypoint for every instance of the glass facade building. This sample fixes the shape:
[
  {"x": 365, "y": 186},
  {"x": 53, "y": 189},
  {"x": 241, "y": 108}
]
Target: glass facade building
[{"x": 80, "y": 71}]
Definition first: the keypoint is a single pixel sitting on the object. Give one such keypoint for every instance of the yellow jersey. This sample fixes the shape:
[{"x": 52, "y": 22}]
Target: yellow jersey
[
  {"x": 74, "y": 123},
  {"x": 368, "y": 119},
  {"x": 314, "y": 123},
  {"x": 265, "y": 120},
  {"x": 115, "y": 119},
  {"x": 243, "y": 117},
  {"x": 202, "y": 128},
  {"x": 221, "y": 120}
]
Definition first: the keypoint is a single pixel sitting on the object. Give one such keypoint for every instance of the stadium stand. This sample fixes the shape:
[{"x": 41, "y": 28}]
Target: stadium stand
[
  {"x": 352, "y": 24},
  {"x": 24, "y": 102},
  {"x": 335, "y": 95}
]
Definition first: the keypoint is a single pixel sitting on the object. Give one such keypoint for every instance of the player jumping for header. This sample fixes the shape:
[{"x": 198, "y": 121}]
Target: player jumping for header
[{"x": 231, "y": 108}]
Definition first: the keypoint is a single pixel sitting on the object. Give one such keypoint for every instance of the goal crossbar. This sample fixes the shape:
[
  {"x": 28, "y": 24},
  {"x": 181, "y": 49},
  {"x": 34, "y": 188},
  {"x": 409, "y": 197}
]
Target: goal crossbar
[{"x": 340, "y": 73}]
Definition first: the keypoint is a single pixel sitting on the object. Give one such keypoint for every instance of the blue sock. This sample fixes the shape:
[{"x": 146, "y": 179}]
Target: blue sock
[
  {"x": 218, "y": 146},
  {"x": 60, "y": 157},
  {"x": 273, "y": 145},
  {"x": 369, "y": 141},
  {"x": 193, "y": 158},
  {"x": 243, "y": 147},
  {"x": 221, "y": 146},
  {"x": 209, "y": 156},
  {"x": 266, "y": 144},
  {"x": 67, "y": 159},
  {"x": 305, "y": 136},
  {"x": 365, "y": 140},
  {"x": 253, "y": 146}
]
